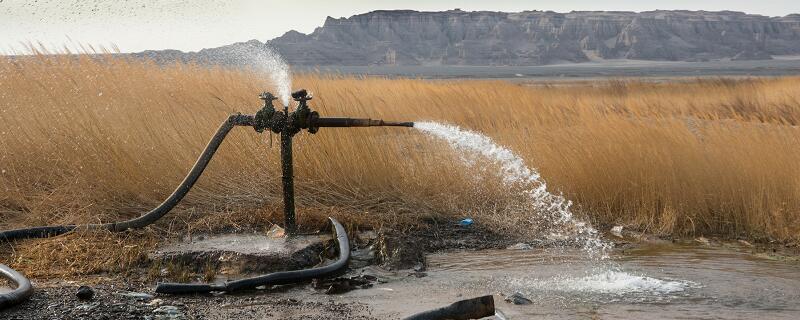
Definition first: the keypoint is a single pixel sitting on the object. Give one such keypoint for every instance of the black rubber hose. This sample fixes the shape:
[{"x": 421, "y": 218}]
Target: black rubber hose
[
  {"x": 277, "y": 278},
  {"x": 23, "y": 289},
  {"x": 158, "y": 212}
]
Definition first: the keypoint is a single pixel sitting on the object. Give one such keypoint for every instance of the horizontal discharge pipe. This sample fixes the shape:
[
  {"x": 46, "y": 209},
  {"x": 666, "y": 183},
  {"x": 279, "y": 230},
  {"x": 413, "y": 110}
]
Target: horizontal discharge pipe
[
  {"x": 22, "y": 291},
  {"x": 356, "y": 122},
  {"x": 160, "y": 210},
  {"x": 277, "y": 278}
]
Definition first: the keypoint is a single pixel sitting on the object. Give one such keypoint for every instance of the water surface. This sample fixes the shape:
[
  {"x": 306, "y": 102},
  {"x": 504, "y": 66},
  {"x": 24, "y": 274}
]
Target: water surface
[{"x": 653, "y": 282}]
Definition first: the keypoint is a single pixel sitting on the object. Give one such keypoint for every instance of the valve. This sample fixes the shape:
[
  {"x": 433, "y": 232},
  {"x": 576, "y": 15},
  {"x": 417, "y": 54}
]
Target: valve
[{"x": 267, "y": 117}]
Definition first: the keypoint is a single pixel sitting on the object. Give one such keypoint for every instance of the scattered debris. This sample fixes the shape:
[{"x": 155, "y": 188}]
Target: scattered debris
[
  {"x": 466, "y": 222},
  {"x": 138, "y": 296},
  {"x": 518, "y": 299},
  {"x": 702, "y": 240},
  {"x": 396, "y": 252},
  {"x": 342, "y": 285},
  {"x": 85, "y": 293},
  {"x": 155, "y": 302},
  {"x": 520, "y": 246},
  {"x": 276, "y": 232},
  {"x": 617, "y": 231},
  {"x": 168, "y": 312},
  {"x": 745, "y": 243}
]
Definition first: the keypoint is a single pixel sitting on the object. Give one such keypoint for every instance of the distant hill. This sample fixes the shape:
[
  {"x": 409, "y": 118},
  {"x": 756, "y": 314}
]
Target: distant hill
[{"x": 456, "y": 37}]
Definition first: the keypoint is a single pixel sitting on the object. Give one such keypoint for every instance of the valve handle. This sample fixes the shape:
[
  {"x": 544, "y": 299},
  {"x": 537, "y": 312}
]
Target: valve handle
[
  {"x": 267, "y": 97},
  {"x": 301, "y": 95}
]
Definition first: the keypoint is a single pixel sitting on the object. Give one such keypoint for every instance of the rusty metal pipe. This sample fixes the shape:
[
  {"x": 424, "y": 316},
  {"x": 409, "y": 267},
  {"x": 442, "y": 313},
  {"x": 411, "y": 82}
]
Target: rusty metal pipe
[{"x": 356, "y": 122}]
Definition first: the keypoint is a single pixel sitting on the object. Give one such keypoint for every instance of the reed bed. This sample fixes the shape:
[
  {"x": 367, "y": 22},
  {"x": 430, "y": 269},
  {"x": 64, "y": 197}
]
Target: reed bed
[{"x": 92, "y": 139}]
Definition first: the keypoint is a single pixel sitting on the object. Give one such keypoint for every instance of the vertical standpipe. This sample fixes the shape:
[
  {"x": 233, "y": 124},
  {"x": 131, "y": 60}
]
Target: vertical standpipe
[
  {"x": 288, "y": 178},
  {"x": 289, "y": 124}
]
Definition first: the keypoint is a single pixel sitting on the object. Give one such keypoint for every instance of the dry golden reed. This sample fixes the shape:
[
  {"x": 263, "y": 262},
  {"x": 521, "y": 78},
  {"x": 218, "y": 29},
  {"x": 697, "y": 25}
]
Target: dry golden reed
[{"x": 97, "y": 139}]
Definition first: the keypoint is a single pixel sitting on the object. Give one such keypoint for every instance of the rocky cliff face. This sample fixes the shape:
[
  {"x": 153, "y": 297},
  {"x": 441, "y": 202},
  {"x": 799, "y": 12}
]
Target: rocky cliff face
[{"x": 531, "y": 38}]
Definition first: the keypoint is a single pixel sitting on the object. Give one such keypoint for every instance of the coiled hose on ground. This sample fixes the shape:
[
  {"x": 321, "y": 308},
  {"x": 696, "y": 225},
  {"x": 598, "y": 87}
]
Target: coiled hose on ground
[
  {"x": 22, "y": 291},
  {"x": 277, "y": 278},
  {"x": 157, "y": 212}
]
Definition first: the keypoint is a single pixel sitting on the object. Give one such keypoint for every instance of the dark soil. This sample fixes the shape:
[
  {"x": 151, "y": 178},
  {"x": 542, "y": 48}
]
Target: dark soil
[
  {"x": 54, "y": 301},
  {"x": 133, "y": 297},
  {"x": 120, "y": 298}
]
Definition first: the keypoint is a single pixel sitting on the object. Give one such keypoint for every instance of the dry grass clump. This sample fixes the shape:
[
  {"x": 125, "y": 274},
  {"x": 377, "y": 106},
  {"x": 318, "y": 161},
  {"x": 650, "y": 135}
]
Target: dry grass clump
[
  {"x": 89, "y": 140},
  {"x": 80, "y": 253}
]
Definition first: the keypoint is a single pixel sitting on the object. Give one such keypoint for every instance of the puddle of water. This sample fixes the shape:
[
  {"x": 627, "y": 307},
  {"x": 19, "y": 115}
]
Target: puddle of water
[
  {"x": 608, "y": 282},
  {"x": 670, "y": 282}
]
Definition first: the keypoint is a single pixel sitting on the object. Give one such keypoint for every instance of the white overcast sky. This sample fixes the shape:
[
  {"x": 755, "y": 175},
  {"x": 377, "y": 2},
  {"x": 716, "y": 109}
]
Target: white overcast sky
[{"x": 195, "y": 24}]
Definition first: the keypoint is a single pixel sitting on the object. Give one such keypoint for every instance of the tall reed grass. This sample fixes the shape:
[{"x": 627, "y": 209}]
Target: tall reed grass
[{"x": 93, "y": 139}]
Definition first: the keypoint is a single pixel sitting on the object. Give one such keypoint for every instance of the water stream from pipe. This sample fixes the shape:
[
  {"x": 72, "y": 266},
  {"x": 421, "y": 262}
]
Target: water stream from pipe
[
  {"x": 603, "y": 276},
  {"x": 542, "y": 203}
]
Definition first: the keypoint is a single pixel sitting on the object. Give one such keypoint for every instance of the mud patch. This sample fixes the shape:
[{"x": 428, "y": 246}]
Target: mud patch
[
  {"x": 231, "y": 254},
  {"x": 397, "y": 252}
]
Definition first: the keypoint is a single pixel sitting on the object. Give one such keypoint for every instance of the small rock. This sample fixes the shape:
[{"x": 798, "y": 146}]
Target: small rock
[
  {"x": 369, "y": 277},
  {"x": 155, "y": 302},
  {"x": 168, "y": 313},
  {"x": 702, "y": 240},
  {"x": 617, "y": 231},
  {"x": 87, "y": 307},
  {"x": 276, "y": 232},
  {"x": 520, "y": 246},
  {"x": 518, "y": 299},
  {"x": 342, "y": 285},
  {"x": 85, "y": 293}
]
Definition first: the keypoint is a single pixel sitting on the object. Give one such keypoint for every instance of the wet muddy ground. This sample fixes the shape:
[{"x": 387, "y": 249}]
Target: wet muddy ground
[{"x": 658, "y": 280}]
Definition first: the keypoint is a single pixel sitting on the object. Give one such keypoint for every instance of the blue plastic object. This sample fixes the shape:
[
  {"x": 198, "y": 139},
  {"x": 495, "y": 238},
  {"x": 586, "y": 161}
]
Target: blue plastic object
[{"x": 466, "y": 222}]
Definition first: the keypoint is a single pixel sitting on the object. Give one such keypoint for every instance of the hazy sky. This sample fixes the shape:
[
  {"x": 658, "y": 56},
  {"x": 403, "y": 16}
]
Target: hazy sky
[{"x": 196, "y": 24}]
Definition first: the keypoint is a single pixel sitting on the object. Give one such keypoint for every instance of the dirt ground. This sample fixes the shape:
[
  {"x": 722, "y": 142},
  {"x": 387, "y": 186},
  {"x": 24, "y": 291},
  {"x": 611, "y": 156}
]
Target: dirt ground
[
  {"x": 401, "y": 254},
  {"x": 132, "y": 296}
]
